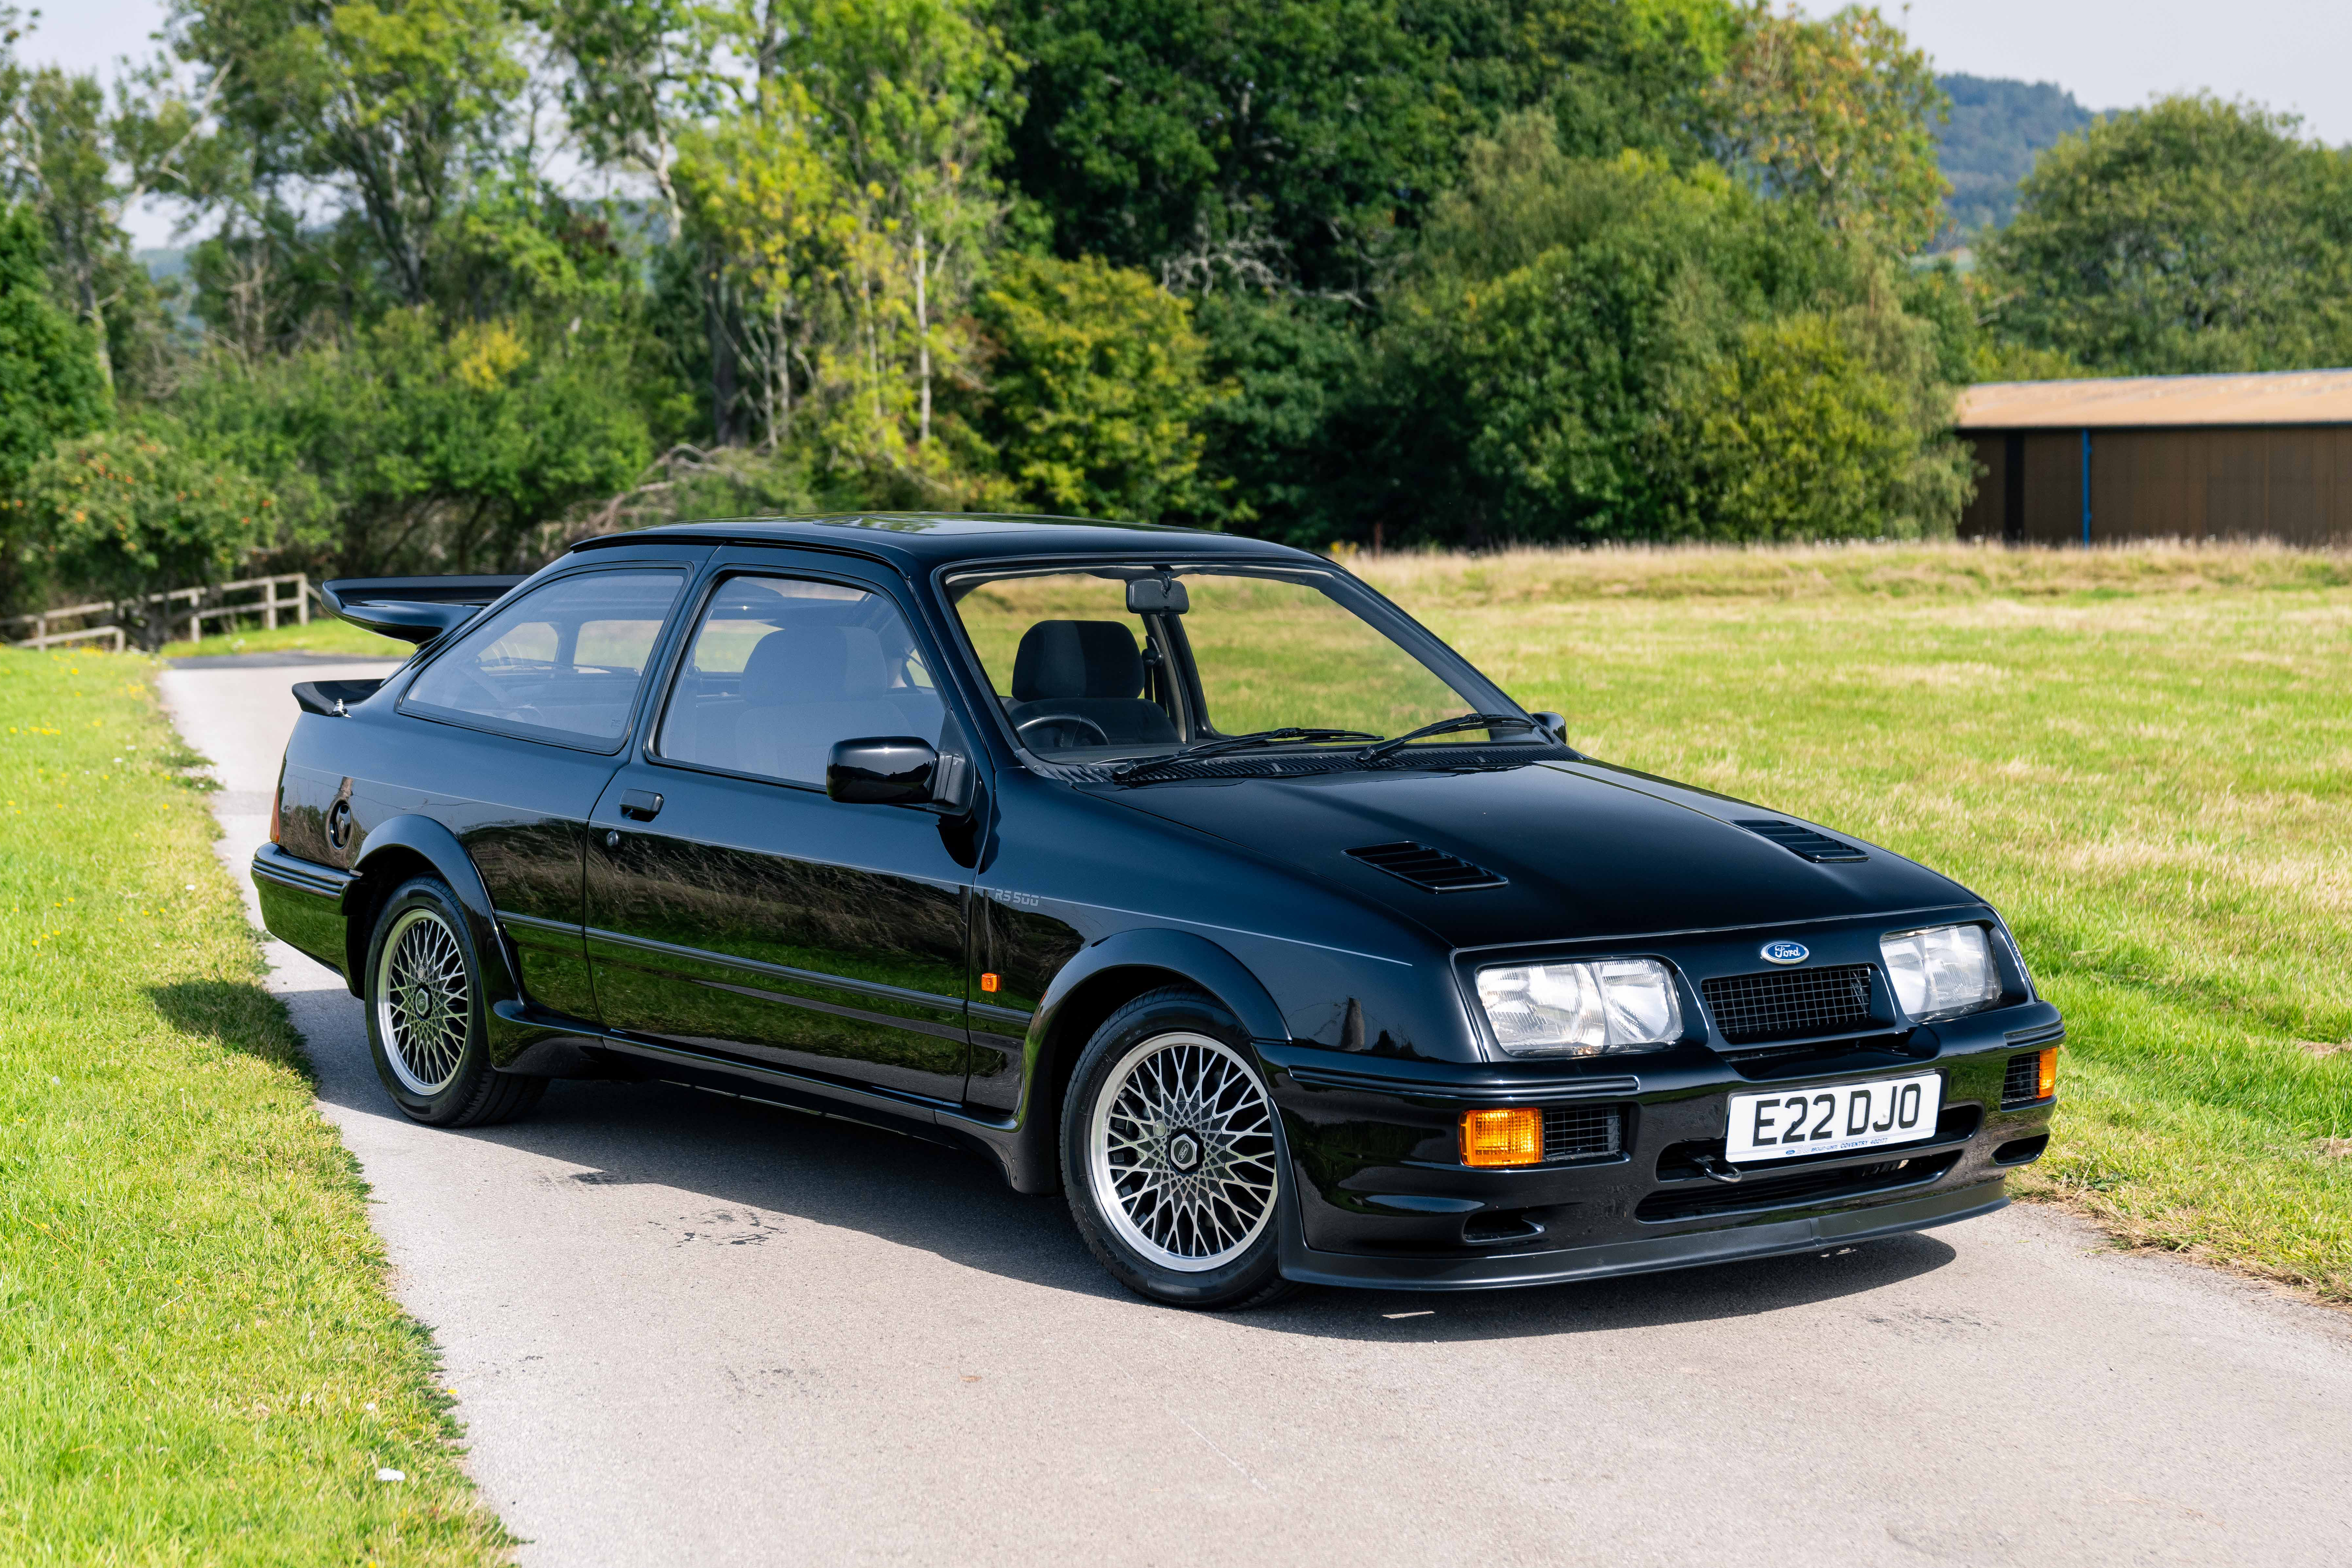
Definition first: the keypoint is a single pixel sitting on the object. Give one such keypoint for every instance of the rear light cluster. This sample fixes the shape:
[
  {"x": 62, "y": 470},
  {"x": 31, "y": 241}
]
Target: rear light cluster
[
  {"x": 1531, "y": 1136},
  {"x": 2033, "y": 1075}
]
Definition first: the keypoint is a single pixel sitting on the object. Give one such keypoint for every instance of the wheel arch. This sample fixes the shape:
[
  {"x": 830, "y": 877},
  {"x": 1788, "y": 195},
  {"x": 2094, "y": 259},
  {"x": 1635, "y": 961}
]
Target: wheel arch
[
  {"x": 1100, "y": 981},
  {"x": 409, "y": 846}
]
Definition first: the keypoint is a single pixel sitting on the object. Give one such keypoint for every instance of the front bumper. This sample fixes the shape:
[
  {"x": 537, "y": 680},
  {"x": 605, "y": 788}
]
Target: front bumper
[{"x": 1382, "y": 1198}]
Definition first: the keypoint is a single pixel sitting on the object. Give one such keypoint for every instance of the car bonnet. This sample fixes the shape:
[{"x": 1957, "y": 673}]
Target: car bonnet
[{"x": 1582, "y": 851}]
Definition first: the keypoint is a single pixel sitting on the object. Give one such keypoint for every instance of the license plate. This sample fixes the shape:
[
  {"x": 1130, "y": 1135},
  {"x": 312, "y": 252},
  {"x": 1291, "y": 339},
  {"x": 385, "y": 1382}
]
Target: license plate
[{"x": 1833, "y": 1121}]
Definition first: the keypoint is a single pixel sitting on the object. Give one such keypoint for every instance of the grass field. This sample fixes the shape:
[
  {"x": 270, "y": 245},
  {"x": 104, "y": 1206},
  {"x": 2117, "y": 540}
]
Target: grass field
[
  {"x": 198, "y": 1361},
  {"x": 2143, "y": 758}
]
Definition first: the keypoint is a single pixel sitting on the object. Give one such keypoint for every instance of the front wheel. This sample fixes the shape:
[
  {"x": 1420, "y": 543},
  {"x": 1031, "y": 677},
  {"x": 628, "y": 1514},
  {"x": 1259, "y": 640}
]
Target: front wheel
[
  {"x": 1169, "y": 1154},
  {"x": 427, "y": 1019}
]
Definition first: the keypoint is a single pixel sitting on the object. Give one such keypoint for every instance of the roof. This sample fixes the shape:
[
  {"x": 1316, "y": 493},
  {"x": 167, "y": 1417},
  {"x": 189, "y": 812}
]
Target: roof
[
  {"x": 2278, "y": 397},
  {"x": 929, "y": 537}
]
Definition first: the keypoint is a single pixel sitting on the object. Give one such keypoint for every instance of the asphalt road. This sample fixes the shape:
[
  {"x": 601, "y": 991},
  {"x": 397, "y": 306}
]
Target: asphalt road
[{"x": 683, "y": 1329}]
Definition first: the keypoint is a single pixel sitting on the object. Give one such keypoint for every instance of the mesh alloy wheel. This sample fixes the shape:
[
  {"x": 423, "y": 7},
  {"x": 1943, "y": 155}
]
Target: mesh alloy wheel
[
  {"x": 1180, "y": 1151},
  {"x": 424, "y": 1001}
]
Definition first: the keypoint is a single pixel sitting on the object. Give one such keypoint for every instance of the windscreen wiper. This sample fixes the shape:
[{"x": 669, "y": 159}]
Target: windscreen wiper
[
  {"x": 1467, "y": 721},
  {"x": 1225, "y": 743}
]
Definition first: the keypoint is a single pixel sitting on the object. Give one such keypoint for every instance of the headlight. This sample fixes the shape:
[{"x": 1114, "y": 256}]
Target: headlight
[
  {"x": 1582, "y": 1010},
  {"x": 1941, "y": 970}
]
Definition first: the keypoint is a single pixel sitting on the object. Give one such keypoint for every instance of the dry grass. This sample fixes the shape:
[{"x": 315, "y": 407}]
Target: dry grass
[{"x": 1907, "y": 572}]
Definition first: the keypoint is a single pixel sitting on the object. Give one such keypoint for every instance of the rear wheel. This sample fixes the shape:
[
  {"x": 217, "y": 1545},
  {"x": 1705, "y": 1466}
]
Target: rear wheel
[
  {"x": 427, "y": 1017},
  {"x": 1169, "y": 1154}
]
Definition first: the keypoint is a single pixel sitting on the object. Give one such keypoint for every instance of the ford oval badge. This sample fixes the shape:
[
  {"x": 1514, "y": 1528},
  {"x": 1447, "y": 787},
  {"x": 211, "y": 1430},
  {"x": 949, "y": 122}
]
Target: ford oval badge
[{"x": 1786, "y": 952}]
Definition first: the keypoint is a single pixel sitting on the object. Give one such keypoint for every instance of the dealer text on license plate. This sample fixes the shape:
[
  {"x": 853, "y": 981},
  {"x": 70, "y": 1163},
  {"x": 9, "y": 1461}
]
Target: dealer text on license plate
[{"x": 1834, "y": 1120}]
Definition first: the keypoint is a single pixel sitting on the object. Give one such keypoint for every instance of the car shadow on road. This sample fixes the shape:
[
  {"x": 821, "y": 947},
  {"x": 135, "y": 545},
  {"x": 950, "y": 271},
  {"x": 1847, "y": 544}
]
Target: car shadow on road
[{"x": 916, "y": 1194}]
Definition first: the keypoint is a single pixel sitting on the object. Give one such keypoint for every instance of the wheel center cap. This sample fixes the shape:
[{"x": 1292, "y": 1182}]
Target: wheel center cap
[
  {"x": 1184, "y": 1151},
  {"x": 421, "y": 999}
]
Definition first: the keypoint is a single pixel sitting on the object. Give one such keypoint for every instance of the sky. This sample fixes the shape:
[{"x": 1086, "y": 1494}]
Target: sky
[{"x": 2110, "y": 54}]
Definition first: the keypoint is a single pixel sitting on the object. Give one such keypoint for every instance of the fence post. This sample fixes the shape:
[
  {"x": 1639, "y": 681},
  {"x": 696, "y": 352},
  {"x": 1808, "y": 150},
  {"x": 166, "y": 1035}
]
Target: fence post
[
  {"x": 269, "y": 613},
  {"x": 302, "y": 599}
]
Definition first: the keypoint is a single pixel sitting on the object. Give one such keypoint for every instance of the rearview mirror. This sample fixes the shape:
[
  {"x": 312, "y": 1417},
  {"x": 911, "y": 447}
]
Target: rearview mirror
[
  {"x": 896, "y": 770},
  {"x": 1157, "y": 596}
]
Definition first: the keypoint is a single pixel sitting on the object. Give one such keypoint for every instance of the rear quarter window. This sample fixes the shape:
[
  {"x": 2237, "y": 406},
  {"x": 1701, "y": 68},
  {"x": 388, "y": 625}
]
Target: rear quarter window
[{"x": 563, "y": 663}]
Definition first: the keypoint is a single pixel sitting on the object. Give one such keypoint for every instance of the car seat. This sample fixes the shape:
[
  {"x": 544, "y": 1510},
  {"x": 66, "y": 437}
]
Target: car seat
[
  {"x": 1090, "y": 670},
  {"x": 807, "y": 686}
]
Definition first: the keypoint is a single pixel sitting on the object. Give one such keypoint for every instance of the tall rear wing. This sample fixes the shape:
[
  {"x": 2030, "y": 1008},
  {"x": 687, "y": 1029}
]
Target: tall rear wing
[{"x": 413, "y": 609}]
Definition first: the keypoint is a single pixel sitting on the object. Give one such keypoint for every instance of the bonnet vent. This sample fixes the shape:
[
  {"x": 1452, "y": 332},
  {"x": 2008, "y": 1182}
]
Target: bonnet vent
[
  {"x": 1799, "y": 841},
  {"x": 1425, "y": 867}
]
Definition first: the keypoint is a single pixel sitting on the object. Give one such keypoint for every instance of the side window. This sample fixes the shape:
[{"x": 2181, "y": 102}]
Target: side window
[
  {"x": 780, "y": 668},
  {"x": 561, "y": 662}
]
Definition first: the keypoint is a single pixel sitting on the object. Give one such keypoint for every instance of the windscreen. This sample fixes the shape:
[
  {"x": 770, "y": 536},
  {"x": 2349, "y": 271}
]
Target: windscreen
[{"x": 1081, "y": 674}]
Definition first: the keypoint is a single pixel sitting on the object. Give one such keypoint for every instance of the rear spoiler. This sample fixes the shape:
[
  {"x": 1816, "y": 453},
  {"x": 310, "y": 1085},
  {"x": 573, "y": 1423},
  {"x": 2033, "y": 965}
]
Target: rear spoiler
[{"x": 413, "y": 609}]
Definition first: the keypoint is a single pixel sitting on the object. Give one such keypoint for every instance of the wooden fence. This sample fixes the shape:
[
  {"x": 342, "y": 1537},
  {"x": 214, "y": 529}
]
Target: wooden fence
[{"x": 102, "y": 622}]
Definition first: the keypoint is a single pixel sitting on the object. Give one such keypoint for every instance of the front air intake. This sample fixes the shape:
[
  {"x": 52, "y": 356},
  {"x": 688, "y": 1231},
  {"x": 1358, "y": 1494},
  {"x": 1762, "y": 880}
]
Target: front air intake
[
  {"x": 2022, "y": 1085},
  {"x": 1801, "y": 841},
  {"x": 1426, "y": 868},
  {"x": 1582, "y": 1131}
]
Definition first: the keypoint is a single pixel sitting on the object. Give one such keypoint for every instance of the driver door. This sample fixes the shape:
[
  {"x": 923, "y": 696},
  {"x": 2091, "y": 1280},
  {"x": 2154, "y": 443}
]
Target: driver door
[{"x": 731, "y": 905}]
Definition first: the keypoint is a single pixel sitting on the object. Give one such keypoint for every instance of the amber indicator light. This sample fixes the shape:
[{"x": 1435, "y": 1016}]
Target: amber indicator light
[
  {"x": 1502, "y": 1137},
  {"x": 988, "y": 983},
  {"x": 2047, "y": 1078}
]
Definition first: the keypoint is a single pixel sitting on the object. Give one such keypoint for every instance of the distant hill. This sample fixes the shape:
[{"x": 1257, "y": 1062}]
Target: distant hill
[{"x": 1988, "y": 145}]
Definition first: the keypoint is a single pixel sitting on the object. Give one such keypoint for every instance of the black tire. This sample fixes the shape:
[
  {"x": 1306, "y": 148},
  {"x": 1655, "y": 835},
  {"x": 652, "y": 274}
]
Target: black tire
[
  {"x": 432, "y": 1052},
  {"x": 1214, "y": 1247}
]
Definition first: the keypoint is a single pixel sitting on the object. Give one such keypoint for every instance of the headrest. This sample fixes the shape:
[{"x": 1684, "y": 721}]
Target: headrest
[
  {"x": 815, "y": 664},
  {"x": 1076, "y": 659}
]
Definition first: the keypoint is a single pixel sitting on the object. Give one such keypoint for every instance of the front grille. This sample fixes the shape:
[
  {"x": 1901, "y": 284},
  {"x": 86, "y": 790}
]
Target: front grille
[
  {"x": 1788, "y": 1004},
  {"x": 1806, "y": 1187},
  {"x": 2022, "y": 1085},
  {"x": 1425, "y": 867},
  {"x": 1582, "y": 1131}
]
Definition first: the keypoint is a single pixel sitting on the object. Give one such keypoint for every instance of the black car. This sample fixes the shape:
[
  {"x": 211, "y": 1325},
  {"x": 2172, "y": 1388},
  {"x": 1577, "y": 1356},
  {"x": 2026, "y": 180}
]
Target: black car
[{"x": 1178, "y": 872}]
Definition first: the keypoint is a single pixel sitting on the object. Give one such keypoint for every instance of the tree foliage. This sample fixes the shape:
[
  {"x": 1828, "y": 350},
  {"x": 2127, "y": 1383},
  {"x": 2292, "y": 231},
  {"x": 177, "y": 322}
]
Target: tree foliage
[
  {"x": 1094, "y": 387},
  {"x": 2190, "y": 236},
  {"x": 464, "y": 276},
  {"x": 51, "y": 383},
  {"x": 124, "y": 513},
  {"x": 1612, "y": 349},
  {"x": 1837, "y": 115}
]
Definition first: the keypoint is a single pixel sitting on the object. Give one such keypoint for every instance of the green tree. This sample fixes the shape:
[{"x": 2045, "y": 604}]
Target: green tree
[
  {"x": 1094, "y": 387},
  {"x": 1589, "y": 345},
  {"x": 1839, "y": 117},
  {"x": 123, "y": 515},
  {"x": 415, "y": 447},
  {"x": 1298, "y": 142},
  {"x": 1278, "y": 454},
  {"x": 51, "y": 385},
  {"x": 394, "y": 106},
  {"x": 79, "y": 165},
  {"x": 2190, "y": 236},
  {"x": 1808, "y": 427}
]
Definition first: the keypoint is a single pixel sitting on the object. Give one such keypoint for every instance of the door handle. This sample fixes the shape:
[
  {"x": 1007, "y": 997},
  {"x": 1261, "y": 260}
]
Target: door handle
[{"x": 640, "y": 805}]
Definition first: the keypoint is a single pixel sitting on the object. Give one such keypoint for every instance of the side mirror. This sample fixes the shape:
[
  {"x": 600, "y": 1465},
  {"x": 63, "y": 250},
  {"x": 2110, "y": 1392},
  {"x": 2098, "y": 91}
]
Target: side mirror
[
  {"x": 1157, "y": 596},
  {"x": 1554, "y": 726},
  {"x": 896, "y": 770}
]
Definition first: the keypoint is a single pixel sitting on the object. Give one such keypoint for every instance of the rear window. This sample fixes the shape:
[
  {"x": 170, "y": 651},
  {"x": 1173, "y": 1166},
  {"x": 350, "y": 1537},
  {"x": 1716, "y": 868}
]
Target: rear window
[{"x": 562, "y": 662}]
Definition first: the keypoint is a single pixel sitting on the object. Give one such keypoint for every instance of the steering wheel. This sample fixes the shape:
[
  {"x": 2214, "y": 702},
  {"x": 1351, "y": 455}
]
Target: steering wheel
[{"x": 1102, "y": 736}]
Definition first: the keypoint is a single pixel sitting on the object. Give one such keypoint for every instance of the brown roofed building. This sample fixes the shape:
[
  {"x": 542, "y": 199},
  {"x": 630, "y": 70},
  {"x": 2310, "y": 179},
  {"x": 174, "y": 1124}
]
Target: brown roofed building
[{"x": 2134, "y": 457}]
